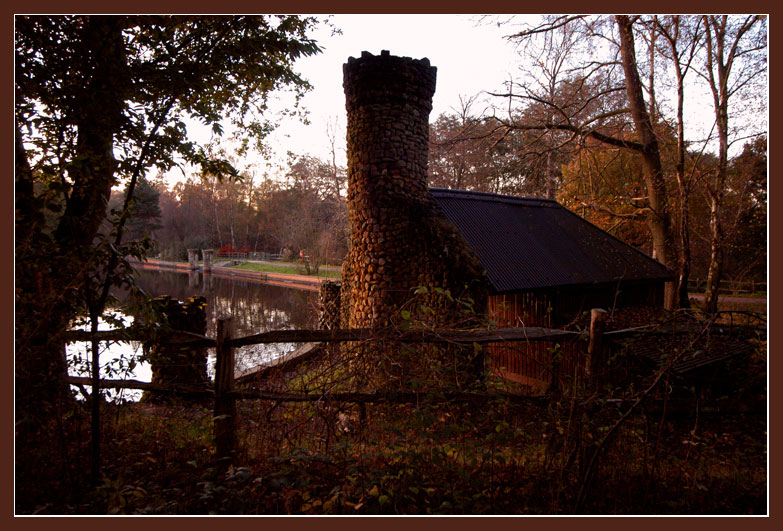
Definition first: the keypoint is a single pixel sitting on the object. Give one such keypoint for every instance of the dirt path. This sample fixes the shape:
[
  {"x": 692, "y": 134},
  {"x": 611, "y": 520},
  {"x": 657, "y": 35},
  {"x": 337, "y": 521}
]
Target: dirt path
[{"x": 731, "y": 298}]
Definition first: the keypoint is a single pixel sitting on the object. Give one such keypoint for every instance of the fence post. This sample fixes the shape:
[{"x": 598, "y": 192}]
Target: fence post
[
  {"x": 593, "y": 362},
  {"x": 225, "y": 405},
  {"x": 555, "y": 358}
]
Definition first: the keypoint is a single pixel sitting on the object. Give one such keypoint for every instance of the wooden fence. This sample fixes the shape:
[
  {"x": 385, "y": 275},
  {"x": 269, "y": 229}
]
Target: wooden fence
[
  {"x": 225, "y": 394},
  {"x": 232, "y": 254}
]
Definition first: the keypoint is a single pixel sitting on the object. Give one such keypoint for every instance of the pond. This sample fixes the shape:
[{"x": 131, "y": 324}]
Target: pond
[{"x": 254, "y": 307}]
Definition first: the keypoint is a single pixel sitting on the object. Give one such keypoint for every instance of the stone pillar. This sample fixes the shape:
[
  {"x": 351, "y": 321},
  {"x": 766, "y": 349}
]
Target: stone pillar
[
  {"x": 329, "y": 315},
  {"x": 399, "y": 238},
  {"x": 208, "y": 255},
  {"x": 193, "y": 258},
  {"x": 179, "y": 365}
]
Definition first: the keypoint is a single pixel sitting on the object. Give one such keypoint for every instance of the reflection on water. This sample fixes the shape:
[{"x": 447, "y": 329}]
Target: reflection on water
[{"x": 254, "y": 307}]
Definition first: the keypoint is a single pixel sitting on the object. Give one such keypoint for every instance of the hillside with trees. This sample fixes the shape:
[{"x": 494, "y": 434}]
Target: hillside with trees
[{"x": 304, "y": 211}]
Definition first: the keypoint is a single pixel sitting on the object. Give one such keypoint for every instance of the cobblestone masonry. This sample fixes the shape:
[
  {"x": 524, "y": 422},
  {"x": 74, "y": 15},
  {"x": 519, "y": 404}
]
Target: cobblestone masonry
[
  {"x": 329, "y": 316},
  {"x": 399, "y": 239}
]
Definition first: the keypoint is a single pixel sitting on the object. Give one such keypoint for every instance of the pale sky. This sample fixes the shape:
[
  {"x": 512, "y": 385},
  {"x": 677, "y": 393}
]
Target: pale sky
[{"x": 470, "y": 58}]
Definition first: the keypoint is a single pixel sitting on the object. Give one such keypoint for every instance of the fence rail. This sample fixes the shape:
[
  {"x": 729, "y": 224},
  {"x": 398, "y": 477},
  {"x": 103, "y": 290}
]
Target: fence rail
[
  {"x": 334, "y": 336},
  {"x": 229, "y": 254},
  {"x": 698, "y": 285}
]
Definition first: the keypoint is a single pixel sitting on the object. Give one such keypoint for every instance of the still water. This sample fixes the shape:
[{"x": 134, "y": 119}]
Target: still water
[{"x": 254, "y": 307}]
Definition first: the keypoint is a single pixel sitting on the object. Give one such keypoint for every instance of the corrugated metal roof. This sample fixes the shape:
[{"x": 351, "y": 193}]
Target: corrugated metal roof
[{"x": 530, "y": 243}]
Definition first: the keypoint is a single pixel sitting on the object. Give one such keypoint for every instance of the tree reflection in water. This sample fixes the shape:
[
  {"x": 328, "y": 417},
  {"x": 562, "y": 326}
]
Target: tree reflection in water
[{"x": 253, "y": 306}]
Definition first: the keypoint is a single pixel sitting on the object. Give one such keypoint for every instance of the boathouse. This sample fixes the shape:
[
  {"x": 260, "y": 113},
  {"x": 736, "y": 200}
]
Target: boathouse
[{"x": 546, "y": 267}]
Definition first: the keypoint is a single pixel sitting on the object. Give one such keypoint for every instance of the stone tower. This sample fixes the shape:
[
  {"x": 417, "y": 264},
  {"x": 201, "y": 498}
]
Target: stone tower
[{"x": 399, "y": 238}]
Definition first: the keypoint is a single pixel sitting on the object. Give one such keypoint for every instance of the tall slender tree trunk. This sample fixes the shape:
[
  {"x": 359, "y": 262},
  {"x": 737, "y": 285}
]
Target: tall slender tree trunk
[
  {"x": 680, "y": 30},
  {"x": 721, "y": 59},
  {"x": 683, "y": 186},
  {"x": 684, "y": 271},
  {"x": 658, "y": 218},
  {"x": 684, "y": 190},
  {"x": 219, "y": 239},
  {"x": 248, "y": 210},
  {"x": 550, "y": 165},
  {"x": 715, "y": 270}
]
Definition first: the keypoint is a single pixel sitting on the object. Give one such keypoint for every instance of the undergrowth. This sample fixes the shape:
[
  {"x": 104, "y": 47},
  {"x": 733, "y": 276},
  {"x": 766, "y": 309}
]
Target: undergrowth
[
  {"x": 416, "y": 459},
  {"x": 605, "y": 452}
]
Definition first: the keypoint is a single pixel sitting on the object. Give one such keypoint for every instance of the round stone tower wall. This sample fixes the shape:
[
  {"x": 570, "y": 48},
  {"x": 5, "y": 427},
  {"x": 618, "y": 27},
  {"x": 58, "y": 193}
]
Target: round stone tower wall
[{"x": 399, "y": 238}]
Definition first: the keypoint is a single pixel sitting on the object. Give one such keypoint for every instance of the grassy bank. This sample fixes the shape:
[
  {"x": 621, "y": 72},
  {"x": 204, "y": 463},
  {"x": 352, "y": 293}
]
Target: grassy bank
[{"x": 287, "y": 269}]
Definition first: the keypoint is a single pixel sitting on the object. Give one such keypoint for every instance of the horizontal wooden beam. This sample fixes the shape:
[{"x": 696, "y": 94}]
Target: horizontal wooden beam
[
  {"x": 145, "y": 386},
  {"x": 286, "y": 361},
  {"x": 187, "y": 339},
  {"x": 334, "y": 336},
  {"x": 174, "y": 337},
  {"x": 409, "y": 336}
]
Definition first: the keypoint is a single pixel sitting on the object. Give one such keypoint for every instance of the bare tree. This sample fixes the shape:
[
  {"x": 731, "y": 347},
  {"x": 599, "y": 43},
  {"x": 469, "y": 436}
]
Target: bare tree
[
  {"x": 682, "y": 42},
  {"x": 338, "y": 173},
  {"x": 548, "y": 66},
  {"x": 735, "y": 59},
  {"x": 586, "y": 116},
  {"x": 460, "y": 149}
]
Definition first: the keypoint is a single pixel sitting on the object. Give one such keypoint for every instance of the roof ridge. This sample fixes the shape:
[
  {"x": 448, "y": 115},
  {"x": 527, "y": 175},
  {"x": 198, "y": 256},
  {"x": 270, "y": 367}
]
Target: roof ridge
[{"x": 491, "y": 196}]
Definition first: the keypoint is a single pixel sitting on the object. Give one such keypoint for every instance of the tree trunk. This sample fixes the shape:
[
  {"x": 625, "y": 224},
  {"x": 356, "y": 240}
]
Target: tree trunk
[
  {"x": 684, "y": 271},
  {"x": 716, "y": 58},
  {"x": 684, "y": 190},
  {"x": 215, "y": 211},
  {"x": 47, "y": 302},
  {"x": 658, "y": 218},
  {"x": 715, "y": 269}
]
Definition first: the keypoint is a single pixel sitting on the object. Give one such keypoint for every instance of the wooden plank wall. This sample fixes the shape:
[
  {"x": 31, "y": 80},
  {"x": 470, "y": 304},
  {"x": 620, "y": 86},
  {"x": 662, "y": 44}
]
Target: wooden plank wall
[{"x": 532, "y": 363}]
